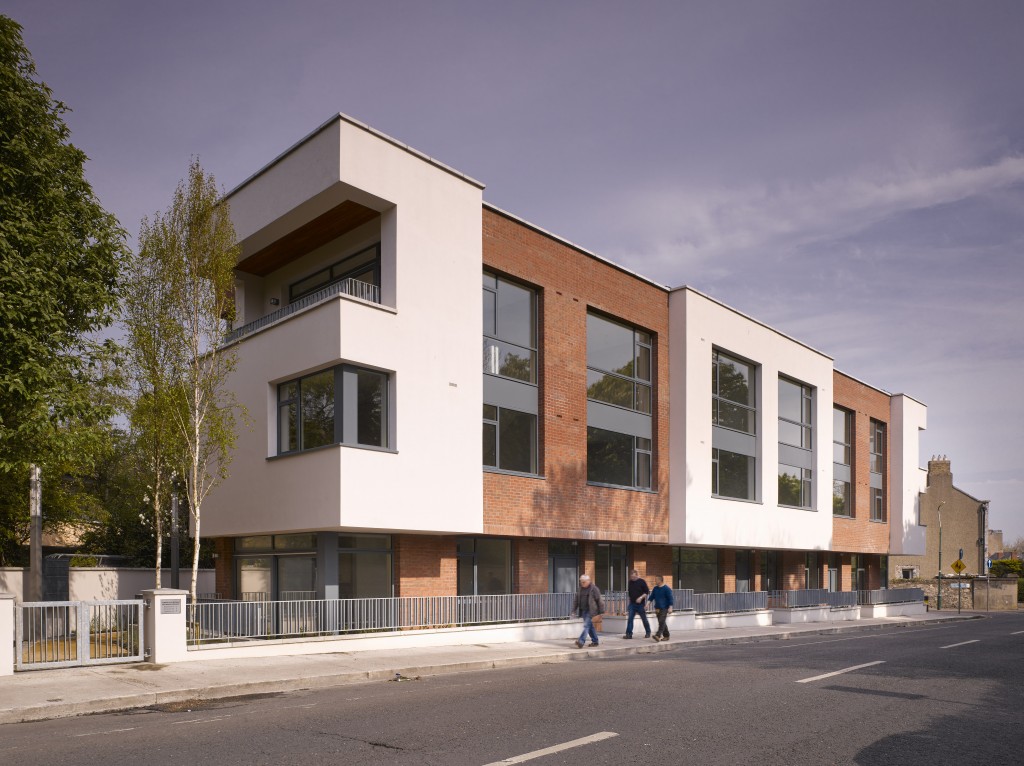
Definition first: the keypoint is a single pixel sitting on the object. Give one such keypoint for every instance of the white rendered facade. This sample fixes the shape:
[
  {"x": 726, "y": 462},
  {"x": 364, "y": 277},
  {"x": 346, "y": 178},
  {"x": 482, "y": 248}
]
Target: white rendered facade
[
  {"x": 428, "y": 226},
  {"x": 909, "y": 480}
]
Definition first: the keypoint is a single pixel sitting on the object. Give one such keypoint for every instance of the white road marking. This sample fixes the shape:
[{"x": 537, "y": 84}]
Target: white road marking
[
  {"x": 202, "y": 720},
  {"x": 111, "y": 731},
  {"x": 840, "y": 672},
  {"x": 792, "y": 644},
  {"x": 556, "y": 748},
  {"x": 1017, "y": 632},
  {"x": 288, "y": 707},
  {"x": 962, "y": 643}
]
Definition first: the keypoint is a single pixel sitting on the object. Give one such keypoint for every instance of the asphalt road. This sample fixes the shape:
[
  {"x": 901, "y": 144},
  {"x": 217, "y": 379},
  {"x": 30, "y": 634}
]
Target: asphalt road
[{"x": 939, "y": 694}]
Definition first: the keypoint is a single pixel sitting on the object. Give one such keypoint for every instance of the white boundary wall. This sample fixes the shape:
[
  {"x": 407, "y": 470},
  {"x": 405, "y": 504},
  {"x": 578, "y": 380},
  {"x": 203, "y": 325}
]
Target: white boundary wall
[{"x": 106, "y": 583}]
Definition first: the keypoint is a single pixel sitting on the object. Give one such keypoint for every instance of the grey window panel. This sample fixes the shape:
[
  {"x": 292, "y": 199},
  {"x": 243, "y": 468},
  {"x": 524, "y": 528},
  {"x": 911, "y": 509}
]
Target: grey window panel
[
  {"x": 734, "y": 441},
  {"x": 616, "y": 419},
  {"x": 876, "y": 480},
  {"x": 841, "y": 472},
  {"x": 349, "y": 406},
  {"x": 794, "y": 456},
  {"x": 510, "y": 394}
]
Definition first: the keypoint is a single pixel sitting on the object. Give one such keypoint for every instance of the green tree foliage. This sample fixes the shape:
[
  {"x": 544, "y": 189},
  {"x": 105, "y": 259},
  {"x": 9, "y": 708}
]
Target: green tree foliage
[
  {"x": 1007, "y": 567},
  {"x": 185, "y": 273},
  {"x": 60, "y": 254}
]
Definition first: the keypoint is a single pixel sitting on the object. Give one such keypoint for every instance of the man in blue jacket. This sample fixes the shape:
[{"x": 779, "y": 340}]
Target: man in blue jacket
[
  {"x": 663, "y": 601},
  {"x": 638, "y": 593}
]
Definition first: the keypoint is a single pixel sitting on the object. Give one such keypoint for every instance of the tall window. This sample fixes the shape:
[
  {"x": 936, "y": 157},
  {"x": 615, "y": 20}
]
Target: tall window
[
  {"x": 363, "y": 266},
  {"x": 510, "y": 330},
  {"x": 618, "y": 364},
  {"x": 796, "y": 443},
  {"x": 610, "y": 567},
  {"x": 620, "y": 379},
  {"x": 876, "y": 469},
  {"x": 484, "y": 566},
  {"x": 734, "y": 421},
  {"x": 510, "y": 376},
  {"x": 842, "y": 454},
  {"x": 364, "y": 566},
  {"x": 307, "y": 409}
]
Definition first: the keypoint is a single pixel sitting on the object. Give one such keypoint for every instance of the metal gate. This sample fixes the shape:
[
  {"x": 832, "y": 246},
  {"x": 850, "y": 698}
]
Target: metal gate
[{"x": 60, "y": 634}]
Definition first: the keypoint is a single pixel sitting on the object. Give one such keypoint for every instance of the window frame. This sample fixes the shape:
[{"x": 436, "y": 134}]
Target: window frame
[
  {"x": 717, "y": 398},
  {"x": 636, "y": 382},
  {"x": 496, "y": 423},
  {"x": 636, "y": 451},
  {"x": 495, "y": 337}
]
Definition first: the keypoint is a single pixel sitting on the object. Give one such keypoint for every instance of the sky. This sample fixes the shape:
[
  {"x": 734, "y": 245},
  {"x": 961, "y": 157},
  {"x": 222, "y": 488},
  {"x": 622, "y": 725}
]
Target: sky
[{"x": 851, "y": 174}]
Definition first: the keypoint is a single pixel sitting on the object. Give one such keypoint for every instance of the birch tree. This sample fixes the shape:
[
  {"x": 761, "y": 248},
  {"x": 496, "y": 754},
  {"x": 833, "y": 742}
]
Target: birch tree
[{"x": 193, "y": 251}]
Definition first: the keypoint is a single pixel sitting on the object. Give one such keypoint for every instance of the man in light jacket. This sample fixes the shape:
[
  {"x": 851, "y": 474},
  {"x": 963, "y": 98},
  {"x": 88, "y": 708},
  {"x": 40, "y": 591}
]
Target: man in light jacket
[{"x": 588, "y": 604}]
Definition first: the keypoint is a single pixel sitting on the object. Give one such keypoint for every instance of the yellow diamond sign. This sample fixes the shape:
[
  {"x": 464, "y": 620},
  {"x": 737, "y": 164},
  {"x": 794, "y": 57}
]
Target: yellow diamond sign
[{"x": 958, "y": 566}]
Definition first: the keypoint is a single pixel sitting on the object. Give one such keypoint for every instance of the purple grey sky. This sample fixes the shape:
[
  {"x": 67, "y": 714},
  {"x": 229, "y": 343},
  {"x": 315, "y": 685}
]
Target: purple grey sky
[{"x": 850, "y": 173}]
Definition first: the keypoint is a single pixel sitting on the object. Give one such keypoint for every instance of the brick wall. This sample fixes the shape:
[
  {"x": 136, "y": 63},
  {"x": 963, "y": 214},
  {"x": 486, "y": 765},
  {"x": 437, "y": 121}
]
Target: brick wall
[
  {"x": 793, "y": 563},
  {"x": 531, "y": 565},
  {"x": 562, "y": 504},
  {"x": 651, "y": 560},
  {"x": 425, "y": 565},
  {"x": 860, "y": 534}
]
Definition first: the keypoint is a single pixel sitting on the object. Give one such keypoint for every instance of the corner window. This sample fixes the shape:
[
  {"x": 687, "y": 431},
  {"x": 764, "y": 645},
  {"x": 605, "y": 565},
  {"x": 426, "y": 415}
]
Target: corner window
[
  {"x": 510, "y": 329},
  {"x": 510, "y": 442},
  {"x": 619, "y": 364},
  {"x": 618, "y": 459},
  {"x": 308, "y": 409}
]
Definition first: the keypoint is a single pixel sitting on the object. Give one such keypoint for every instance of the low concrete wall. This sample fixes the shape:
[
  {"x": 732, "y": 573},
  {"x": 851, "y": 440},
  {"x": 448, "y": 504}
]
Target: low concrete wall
[
  {"x": 800, "y": 614},
  {"x": 684, "y": 619},
  {"x": 892, "y": 610},
  {"x": 843, "y": 613},
  {"x": 556, "y": 630},
  {"x": 757, "y": 618},
  {"x": 12, "y": 580}
]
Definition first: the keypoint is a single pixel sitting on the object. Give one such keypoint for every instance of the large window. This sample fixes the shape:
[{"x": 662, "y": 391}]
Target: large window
[
  {"x": 876, "y": 475},
  {"x": 734, "y": 425},
  {"x": 842, "y": 457},
  {"x": 363, "y": 266},
  {"x": 484, "y": 566},
  {"x": 796, "y": 444},
  {"x": 733, "y": 393},
  {"x": 618, "y": 459},
  {"x": 510, "y": 439},
  {"x": 696, "y": 568},
  {"x": 308, "y": 409},
  {"x": 619, "y": 359},
  {"x": 364, "y": 566},
  {"x": 610, "y": 567},
  {"x": 510, "y": 329},
  {"x": 276, "y": 567}
]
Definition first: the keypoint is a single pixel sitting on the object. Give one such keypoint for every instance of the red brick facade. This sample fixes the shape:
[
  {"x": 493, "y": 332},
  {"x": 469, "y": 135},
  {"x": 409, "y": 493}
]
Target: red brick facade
[
  {"x": 425, "y": 565},
  {"x": 562, "y": 504},
  {"x": 859, "y": 534}
]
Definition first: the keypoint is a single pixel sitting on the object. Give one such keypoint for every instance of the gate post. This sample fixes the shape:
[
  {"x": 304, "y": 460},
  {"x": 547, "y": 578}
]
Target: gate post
[
  {"x": 165, "y": 638},
  {"x": 7, "y": 647}
]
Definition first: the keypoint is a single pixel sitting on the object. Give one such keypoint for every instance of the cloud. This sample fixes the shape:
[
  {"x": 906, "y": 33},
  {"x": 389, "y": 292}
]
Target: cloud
[{"x": 696, "y": 226}]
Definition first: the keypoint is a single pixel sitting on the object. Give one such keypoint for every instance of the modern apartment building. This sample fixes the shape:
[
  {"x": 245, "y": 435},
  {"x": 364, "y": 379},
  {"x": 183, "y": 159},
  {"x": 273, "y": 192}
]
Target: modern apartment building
[{"x": 449, "y": 400}]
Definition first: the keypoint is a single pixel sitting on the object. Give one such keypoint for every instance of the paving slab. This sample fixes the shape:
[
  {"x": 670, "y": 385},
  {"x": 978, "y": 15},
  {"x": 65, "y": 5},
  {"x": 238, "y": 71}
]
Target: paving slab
[{"x": 63, "y": 692}]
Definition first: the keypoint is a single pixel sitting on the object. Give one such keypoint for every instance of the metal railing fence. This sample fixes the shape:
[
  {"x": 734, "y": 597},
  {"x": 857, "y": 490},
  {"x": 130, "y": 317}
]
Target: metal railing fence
[
  {"x": 52, "y": 634},
  {"x": 723, "y": 603},
  {"x": 353, "y": 287},
  {"x": 616, "y": 602},
  {"x": 246, "y": 620},
  {"x": 889, "y": 596},
  {"x": 789, "y": 599}
]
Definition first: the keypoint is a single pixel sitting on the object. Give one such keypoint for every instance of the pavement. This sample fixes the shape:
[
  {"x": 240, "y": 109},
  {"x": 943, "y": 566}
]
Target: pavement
[{"x": 64, "y": 692}]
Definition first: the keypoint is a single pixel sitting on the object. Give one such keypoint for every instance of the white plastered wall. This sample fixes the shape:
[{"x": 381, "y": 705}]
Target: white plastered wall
[
  {"x": 426, "y": 335},
  {"x": 909, "y": 417},
  {"x": 697, "y": 325}
]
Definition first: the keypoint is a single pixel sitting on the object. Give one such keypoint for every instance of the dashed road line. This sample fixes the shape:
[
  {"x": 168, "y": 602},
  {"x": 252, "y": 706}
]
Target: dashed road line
[
  {"x": 109, "y": 731},
  {"x": 1017, "y": 632},
  {"x": 840, "y": 672},
  {"x": 201, "y": 720},
  {"x": 556, "y": 748},
  {"x": 962, "y": 643}
]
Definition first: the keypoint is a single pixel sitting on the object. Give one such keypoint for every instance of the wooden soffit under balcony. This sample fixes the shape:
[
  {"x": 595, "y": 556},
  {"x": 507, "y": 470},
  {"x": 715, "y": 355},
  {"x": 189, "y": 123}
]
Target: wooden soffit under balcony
[{"x": 344, "y": 218}]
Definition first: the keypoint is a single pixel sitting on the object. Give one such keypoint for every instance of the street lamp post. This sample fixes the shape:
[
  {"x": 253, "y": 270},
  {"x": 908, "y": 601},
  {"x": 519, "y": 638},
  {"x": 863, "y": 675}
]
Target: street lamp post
[{"x": 939, "y": 511}]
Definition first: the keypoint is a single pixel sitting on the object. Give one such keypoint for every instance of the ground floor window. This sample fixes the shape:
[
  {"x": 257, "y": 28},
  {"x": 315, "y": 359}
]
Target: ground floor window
[
  {"x": 484, "y": 566},
  {"x": 364, "y": 566},
  {"x": 696, "y": 568},
  {"x": 610, "y": 567},
  {"x": 744, "y": 571},
  {"x": 771, "y": 571},
  {"x": 857, "y": 574},
  {"x": 812, "y": 577},
  {"x": 276, "y": 567}
]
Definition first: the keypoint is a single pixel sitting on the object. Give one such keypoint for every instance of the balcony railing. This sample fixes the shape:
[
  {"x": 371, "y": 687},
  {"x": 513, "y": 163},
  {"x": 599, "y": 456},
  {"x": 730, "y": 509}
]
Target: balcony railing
[{"x": 353, "y": 287}]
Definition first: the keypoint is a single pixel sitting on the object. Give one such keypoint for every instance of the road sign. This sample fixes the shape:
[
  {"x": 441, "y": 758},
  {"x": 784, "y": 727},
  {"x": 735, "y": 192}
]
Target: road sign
[{"x": 958, "y": 566}]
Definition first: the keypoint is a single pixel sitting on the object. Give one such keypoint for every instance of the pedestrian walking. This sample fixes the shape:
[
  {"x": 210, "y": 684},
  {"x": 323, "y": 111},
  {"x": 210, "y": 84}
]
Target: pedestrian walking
[
  {"x": 663, "y": 601},
  {"x": 588, "y": 604},
  {"x": 638, "y": 593}
]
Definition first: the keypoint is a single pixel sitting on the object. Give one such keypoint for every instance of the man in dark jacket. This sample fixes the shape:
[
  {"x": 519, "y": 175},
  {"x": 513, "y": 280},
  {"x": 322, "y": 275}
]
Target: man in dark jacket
[
  {"x": 588, "y": 604},
  {"x": 638, "y": 593},
  {"x": 663, "y": 600}
]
